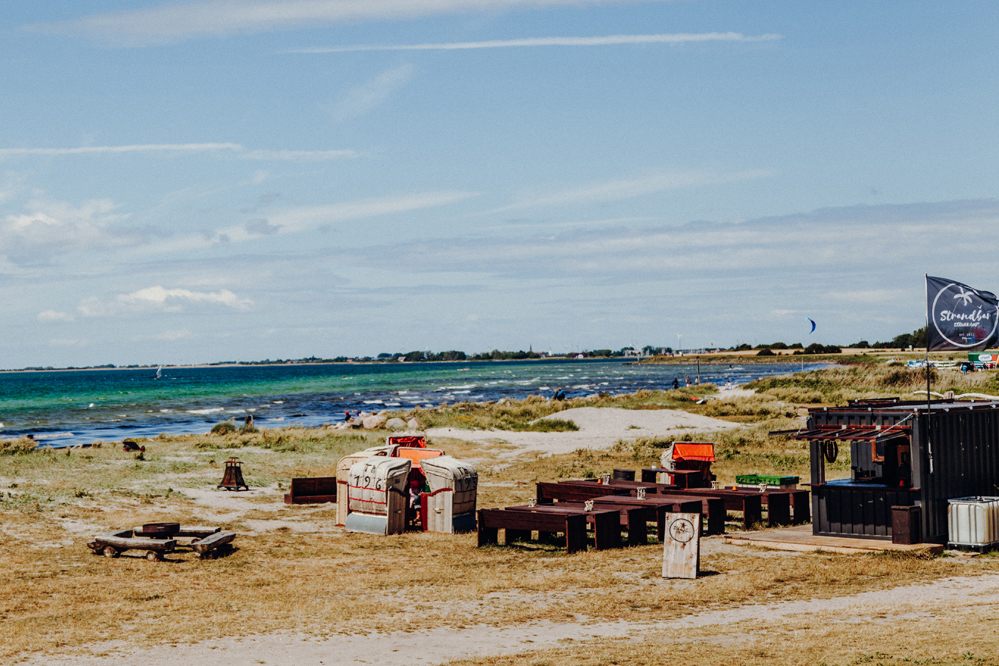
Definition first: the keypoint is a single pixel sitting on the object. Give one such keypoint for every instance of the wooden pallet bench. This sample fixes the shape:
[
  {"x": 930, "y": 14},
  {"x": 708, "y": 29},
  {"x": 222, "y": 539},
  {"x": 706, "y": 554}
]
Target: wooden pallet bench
[
  {"x": 317, "y": 490},
  {"x": 606, "y": 532},
  {"x": 712, "y": 508},
  {"x": 657, "y": 506},
  {"x": 518, "y": 526},
  {"x": 778, "y": 502}
]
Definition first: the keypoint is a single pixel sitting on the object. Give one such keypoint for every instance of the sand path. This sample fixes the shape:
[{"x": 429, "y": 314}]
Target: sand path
[
  {"x": 433, "y": 646},
  {"x": 599, "y": 428}
]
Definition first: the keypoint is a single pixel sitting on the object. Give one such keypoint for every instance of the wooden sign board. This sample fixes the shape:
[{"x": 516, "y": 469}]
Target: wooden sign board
[{"x": 682, "y": 550}]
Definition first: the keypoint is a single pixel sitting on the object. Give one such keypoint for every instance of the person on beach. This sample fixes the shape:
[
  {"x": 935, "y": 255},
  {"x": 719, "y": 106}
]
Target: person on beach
[
  {"x": 559, "y": 395},
  {"x": 676, "y": 383}
]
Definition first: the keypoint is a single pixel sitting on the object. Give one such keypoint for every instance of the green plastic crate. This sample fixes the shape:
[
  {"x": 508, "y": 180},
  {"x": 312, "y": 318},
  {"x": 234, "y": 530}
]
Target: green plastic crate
[{"x": 769, "y": 479}]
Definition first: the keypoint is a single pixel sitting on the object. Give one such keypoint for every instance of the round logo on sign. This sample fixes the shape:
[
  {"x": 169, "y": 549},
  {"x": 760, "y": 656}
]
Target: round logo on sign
[
  {"x": 960, "y": 318},
  {"x": 681, "y": 530}
]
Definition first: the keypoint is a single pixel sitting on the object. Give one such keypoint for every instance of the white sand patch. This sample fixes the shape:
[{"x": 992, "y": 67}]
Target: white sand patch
[
  {"x": 433, "y": 646},
  {"x": 268, "y": 526},
  {"x": 241, "y": 500},
  {"x": 599, "y": 428}
]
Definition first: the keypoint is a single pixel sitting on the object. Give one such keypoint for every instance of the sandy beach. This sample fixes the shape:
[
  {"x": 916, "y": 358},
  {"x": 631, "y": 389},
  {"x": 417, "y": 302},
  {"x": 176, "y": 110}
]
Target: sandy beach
[{"x": 599, "y": 428}]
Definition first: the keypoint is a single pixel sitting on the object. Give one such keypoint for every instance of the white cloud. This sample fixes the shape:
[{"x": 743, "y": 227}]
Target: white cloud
[
  {"x": 234, "y": 149},
  {"x": 159, "y": 299},
  {"x": 49, "y": 226},
  {"x": 310, "y": 217},
  {"x": 845, "y": 243},
  {"x": 51, "y": 316},
  {"x": 610, "y": 40},
  {"x": 217, "y": 18},
  {"x": 358, "y": 101},
  {"x": 615, "y": 190}
]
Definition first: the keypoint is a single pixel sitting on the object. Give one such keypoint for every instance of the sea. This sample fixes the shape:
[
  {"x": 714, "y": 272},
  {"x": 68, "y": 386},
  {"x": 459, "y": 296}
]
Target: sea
[{"x": 78, "y": 407}]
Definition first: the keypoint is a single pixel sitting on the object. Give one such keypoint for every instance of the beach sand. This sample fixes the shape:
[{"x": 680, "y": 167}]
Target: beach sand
[
  {"x": 740, "y": 624},
  {"x": 599, "y": 428}
]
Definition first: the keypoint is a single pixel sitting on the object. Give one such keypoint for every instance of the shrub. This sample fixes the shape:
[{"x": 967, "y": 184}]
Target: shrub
[
  {"x": 224, "y": 428},
  {"x": 17, "y": 446}
]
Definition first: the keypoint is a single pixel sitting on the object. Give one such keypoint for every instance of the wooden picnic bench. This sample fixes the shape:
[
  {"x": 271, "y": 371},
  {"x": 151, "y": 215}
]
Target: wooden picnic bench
[
  {"x": 579, "y": 492},
  {"x": 712, "y": 508},
  {"x": 518, "y": 526},
  {"x": 632, "y": 519},
  {"x": 316, "y": 490}
]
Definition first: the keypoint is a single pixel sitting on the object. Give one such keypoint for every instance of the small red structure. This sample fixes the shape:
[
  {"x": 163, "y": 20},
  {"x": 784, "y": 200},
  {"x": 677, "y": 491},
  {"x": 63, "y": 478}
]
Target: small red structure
[
  {"x": 688, "y": 464},
  {"x": 408, "y": 441}
]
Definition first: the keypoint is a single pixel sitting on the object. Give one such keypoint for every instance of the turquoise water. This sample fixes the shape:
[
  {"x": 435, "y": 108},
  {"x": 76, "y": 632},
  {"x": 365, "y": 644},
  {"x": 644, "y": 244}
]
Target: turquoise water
[{"x": 63, "y": 408}]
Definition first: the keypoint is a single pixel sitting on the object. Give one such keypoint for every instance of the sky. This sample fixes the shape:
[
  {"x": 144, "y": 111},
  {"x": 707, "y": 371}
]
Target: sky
[{"x": 203, "y": 181}]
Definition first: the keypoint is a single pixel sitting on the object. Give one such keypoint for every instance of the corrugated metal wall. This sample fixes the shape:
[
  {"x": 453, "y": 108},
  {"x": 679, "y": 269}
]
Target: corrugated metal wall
[{"x": 965, "y": 451}]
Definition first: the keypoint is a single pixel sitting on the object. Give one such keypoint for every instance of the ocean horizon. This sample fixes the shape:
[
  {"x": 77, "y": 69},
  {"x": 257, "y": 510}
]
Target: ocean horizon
[{"x": 62, "y": 408}]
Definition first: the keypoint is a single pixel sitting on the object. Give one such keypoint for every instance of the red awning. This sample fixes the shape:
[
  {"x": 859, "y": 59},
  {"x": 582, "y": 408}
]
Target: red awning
[{"x": 692, "y": 451}]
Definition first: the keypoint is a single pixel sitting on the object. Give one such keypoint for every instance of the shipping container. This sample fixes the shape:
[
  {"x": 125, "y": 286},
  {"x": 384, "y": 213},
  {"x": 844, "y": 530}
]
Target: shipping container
[{"x": 902, "y": 453}]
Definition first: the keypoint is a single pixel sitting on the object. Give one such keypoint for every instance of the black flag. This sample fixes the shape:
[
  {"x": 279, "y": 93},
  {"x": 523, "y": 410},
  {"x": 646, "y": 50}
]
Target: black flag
[{"x": 959, "y": 317}]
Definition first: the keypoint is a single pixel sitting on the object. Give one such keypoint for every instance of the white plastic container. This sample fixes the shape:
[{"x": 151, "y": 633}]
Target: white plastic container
[{"x": 973, "y": 521}]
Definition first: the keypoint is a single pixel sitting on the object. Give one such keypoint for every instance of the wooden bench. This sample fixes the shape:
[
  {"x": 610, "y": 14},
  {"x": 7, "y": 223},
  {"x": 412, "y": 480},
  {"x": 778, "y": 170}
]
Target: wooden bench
[
  {"x": 632, "y": 519},
  {"x": 577, "y": 492},
  {"x": 750, "y": 502},
  {"x": 213, "y": 545},
  {"x": 518, "y": 526},
  {"x": 712, "y": 508},
  {"x": 318, "y": 490}
]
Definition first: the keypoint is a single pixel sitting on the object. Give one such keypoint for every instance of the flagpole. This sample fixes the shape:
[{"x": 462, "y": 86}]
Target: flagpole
[{"x": 929, "y": 445}]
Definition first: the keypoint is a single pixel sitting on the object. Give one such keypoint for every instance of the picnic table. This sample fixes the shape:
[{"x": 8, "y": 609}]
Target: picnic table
[
  {"x": 631, "y": 518},
  {"x": 657, "y": 506},
  {"x": 518, "y": 525},
  {"x": 779, "y": 503},
  {"x": 712, "y": 507}
]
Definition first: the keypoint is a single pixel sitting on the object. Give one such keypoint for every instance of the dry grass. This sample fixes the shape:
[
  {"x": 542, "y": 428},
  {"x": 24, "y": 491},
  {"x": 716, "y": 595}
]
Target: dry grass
[
  {"x": 520, "y": 415},
  {"x": 949, "y": 637},
  {"x": 294, "y": 570},
  {"x": 836, "y": 385}
]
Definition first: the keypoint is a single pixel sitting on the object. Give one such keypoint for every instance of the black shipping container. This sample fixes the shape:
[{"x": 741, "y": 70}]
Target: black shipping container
[{"x": 901, "y": 454}]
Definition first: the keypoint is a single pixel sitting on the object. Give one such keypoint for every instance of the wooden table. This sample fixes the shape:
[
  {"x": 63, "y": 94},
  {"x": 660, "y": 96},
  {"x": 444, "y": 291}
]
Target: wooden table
[
  {"x": 656, "y": 507},
  {"x": 606, "y": 534},
  {"x": 712, "y": 508},
  {"x": 778, "y": 502},
  {"x": 518, "y": 525}
]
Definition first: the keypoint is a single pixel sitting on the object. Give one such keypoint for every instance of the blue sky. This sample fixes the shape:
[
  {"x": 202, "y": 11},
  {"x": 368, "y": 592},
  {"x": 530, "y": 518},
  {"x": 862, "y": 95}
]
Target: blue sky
[{"x": 199, "y": 181}]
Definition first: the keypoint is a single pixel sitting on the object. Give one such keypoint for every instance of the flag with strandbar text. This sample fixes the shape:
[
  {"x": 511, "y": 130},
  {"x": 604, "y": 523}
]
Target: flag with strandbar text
[{"x": 959, "y": 317}]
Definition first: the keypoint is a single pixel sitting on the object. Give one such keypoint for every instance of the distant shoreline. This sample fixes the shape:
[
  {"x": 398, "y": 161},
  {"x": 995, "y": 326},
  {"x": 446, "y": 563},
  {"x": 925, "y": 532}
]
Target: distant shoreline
[{"x": 317, "y": 363}]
